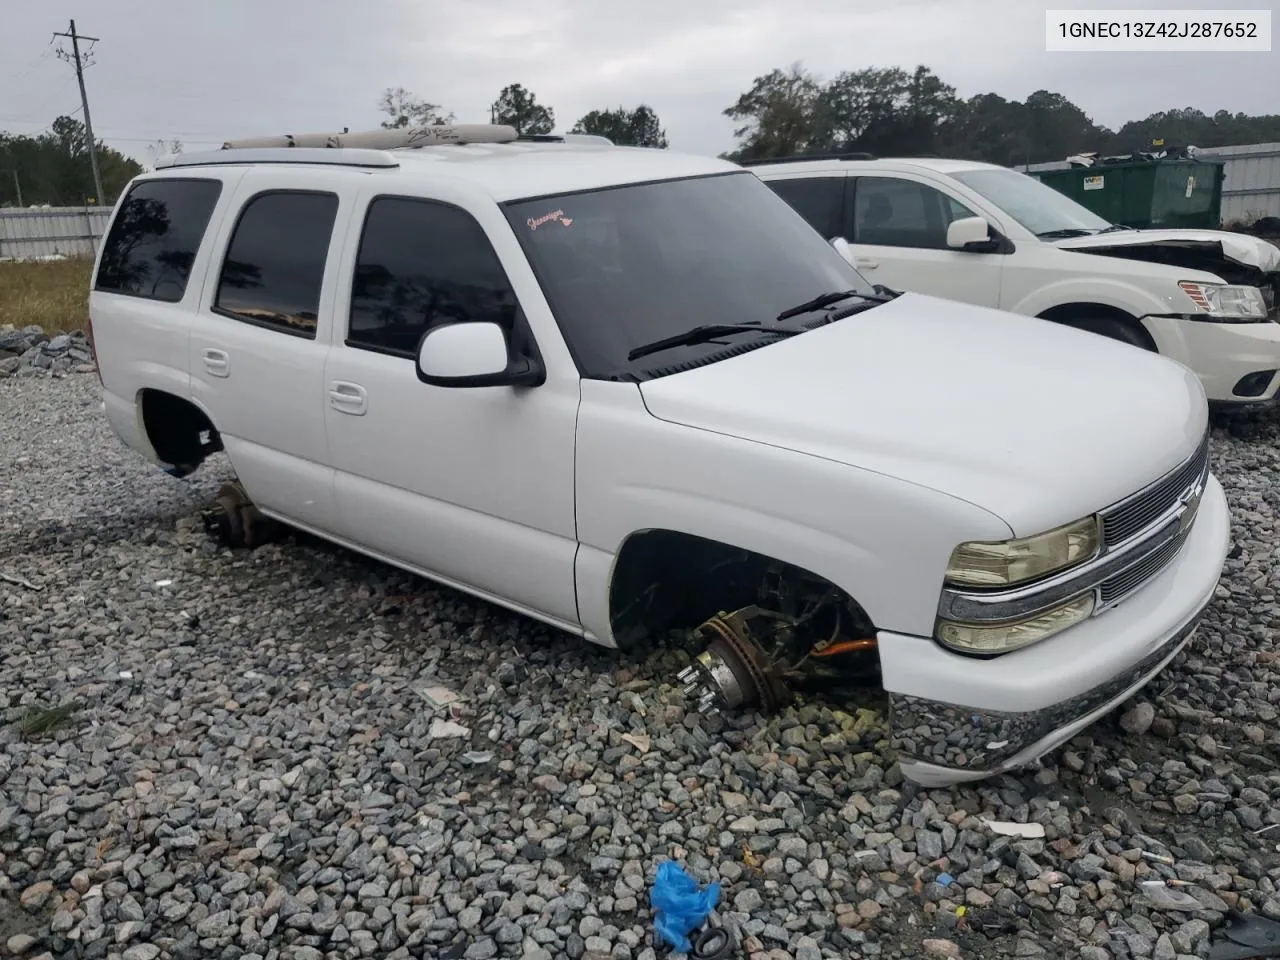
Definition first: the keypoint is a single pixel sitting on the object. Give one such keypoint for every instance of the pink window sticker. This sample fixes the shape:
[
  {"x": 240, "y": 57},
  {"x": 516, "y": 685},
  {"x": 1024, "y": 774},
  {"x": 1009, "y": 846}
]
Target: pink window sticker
[{"x": 555, "y": 216}]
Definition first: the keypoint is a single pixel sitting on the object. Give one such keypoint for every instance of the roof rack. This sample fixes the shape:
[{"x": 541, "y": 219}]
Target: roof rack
[
  {"x": 804, "y": 157},
  {"x": 396, "y": 138},
  {"x": 340, "y": 157}
]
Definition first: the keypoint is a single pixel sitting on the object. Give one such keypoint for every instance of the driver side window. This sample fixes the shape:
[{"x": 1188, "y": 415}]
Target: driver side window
[
  {"x": 423, "y": 263},
  {"x": 891, "y": 212}
]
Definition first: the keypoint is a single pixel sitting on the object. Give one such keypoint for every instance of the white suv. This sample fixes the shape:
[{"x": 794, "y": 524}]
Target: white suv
[
  {"x": 626, "y": 391},
  {"x": 991, "y": 236}
]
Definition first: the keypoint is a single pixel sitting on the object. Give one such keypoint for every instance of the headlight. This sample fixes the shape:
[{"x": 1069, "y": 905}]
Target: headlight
[
  {"x": 1007, "y": 637},
  {"x": 1226, "y": 302},
  {"x": 1008, "y": 562}
]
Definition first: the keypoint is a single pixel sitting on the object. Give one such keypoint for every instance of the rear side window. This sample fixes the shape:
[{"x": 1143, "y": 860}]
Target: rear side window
[
  {"x": 154, "y": 238},
  {"x": 820, "y": 200},
  {"x": 274, "y": 267},
  {"x": 422, "y": 264}
]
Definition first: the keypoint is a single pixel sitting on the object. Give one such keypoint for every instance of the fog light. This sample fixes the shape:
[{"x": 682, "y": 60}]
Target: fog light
[
  {"x": 991, "y": 639},
  {"x": 1253, "y": 384}
]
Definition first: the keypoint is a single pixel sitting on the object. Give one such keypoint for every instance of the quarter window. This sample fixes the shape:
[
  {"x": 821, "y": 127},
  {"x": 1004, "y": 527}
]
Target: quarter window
[
  {"x": 275, "y": 262},
  {"x": 890, "y": 212},
  {"x": 154, "y": 238},
  {"x": 421, "y": 264},
  {"x": 820, "y": 200}
]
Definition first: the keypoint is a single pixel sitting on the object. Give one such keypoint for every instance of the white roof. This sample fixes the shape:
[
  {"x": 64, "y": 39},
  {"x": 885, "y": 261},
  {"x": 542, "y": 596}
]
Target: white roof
[
  {"x": 899, "y": 164},
  {"x": 504, "y": 171}
]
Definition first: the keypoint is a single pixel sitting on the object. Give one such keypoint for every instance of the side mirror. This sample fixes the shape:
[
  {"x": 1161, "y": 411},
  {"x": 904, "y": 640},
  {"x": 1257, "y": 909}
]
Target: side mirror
[
  {"x": 842, "y": 247},
  {"x": 473, "y": 355},
  {"x": 970, "y": 233}
]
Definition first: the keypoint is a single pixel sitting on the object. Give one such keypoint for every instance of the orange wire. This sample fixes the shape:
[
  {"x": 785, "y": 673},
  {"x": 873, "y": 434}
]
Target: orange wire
[{"x": 846, "y": 646}]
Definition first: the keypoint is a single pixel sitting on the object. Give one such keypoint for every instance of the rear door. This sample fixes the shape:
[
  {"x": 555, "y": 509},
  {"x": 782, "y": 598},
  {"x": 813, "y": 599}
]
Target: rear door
[
  {"x": 898, "y": 231},
  {"x": 260, "y": 336},
  {"x": 146, "y": 286},
  {"x": 819, "y": 198}
]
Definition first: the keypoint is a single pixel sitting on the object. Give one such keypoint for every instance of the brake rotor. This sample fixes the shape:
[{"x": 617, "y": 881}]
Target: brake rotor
[{"x": 733, "y": 671}]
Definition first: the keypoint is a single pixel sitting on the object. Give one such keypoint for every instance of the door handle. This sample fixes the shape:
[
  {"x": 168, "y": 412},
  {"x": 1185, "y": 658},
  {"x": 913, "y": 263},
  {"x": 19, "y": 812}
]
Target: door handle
[
  {"x": 350, "y": 398},
  {"x": 216, "y": 362},
  {"x": 862, "y": 263}
]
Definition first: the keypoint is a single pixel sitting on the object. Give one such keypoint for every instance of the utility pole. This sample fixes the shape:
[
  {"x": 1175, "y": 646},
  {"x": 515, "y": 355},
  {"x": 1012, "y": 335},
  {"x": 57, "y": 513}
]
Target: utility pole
[{"x": 84, "y": 103}]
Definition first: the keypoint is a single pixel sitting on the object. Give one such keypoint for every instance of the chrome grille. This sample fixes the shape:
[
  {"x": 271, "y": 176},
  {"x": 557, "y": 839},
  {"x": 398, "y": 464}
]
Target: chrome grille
[
  {"x": 1132, "y": 516},
  {"x": 1116, "y": 588}
]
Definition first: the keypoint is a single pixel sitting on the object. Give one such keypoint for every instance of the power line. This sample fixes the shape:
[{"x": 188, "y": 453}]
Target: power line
[{"x": 84, "y": 103}]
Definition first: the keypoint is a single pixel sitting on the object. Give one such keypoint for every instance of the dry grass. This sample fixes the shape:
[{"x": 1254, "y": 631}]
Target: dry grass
[{"x": 54, "y": 294}]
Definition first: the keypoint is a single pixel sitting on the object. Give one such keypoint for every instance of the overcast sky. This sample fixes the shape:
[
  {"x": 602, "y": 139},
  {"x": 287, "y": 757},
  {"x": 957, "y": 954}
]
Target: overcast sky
[{"x": 207, "y": 70}]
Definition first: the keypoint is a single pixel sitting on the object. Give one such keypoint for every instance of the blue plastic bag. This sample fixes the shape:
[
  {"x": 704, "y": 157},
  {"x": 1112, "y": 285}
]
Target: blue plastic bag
[{"x": 679, "y": 907}]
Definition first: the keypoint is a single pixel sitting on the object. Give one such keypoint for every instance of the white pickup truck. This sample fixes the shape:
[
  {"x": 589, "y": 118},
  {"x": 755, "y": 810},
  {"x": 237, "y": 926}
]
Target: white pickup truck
[
  {"x": 624, "y": 391},
  {"x": 993, "y": 237}
]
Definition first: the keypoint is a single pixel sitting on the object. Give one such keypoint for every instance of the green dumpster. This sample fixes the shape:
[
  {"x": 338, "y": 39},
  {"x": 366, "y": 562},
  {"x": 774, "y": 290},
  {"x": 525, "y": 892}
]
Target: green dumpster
[{"x": 1157, "y": 193}]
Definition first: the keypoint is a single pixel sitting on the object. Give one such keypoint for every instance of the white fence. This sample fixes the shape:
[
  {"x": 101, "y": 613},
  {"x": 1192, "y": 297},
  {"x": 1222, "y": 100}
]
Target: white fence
[
  {"x": 1251, "y": 189},
  {"x": 45, "y": 231}
]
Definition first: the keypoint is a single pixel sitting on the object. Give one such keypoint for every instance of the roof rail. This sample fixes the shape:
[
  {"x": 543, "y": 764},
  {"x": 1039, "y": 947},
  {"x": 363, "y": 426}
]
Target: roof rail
[
  {"x": 388, "y": 139},
  {"x": 804, "y": 157},
  {"x": 340, "y": 157}
]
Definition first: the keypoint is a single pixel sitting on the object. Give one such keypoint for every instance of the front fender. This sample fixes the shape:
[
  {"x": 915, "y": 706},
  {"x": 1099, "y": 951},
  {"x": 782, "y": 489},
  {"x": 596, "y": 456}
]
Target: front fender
[
  {"x": 1118, "y": 294},
  {"x": 884, "y": 541}
]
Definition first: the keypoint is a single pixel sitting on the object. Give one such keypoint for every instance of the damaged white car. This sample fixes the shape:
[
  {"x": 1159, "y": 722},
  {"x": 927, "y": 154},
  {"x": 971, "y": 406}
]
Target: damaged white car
[
  {"x": 628, "y": 392},
  {"x": 994, "y": 237}
]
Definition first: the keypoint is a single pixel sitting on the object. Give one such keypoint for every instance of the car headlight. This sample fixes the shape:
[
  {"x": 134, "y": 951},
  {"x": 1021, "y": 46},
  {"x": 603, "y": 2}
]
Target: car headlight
[
  {"x": 1006, "y": 563},
  {"x": 994, "y": 638},
  {"x": 1221, "y": 301}
]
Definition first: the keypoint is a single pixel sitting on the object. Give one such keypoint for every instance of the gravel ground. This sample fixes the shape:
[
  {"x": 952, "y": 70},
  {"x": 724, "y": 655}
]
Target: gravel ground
[{"x": 248, "y": 764}]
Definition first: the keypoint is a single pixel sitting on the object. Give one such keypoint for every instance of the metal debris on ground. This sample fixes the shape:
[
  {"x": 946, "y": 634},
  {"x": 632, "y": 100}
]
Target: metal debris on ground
[
  {"x": 438, "y": 695},
  {"x": 638, "y": 740},
  {"x": 446, "y": 730},
  {"x": 20, "y": 582},
  {"x": 1024, "y": 831}
]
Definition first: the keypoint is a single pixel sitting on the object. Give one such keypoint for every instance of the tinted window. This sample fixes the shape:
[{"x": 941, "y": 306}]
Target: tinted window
[
  {"x": 154, "y": 238},
  {"x": 421, "y": 264},
  {"x": 820, "y": 201},
  {"x": 275, "y": 263},
  {"x": 902, "y": 213},
  {"x": 625, "y": 266}
]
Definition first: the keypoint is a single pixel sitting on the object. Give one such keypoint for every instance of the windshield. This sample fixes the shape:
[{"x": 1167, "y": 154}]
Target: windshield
[
  {"x": 626, "y": 266},
  {"x": 1039, "y": 208}
]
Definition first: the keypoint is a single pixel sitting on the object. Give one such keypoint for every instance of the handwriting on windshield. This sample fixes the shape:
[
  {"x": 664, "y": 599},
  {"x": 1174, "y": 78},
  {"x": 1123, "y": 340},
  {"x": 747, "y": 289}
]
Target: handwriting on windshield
[{"x": 554, "y": 215}]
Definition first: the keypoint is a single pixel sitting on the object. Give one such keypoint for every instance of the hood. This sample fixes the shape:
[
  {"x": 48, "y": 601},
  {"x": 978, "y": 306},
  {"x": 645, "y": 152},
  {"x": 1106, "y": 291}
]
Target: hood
[
  {"x": 1239, "y": 254},
  {"x": 1037, "y": 423}
]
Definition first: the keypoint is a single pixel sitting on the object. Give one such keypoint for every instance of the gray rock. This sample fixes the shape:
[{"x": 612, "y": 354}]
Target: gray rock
[{"x": 1138, "y": 718}]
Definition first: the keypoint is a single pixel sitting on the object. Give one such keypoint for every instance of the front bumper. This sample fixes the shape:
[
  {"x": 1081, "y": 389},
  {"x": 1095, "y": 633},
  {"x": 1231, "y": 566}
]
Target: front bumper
[
  {"x": 1221, "y": 354},
  {"x": 957, "y": 719}
]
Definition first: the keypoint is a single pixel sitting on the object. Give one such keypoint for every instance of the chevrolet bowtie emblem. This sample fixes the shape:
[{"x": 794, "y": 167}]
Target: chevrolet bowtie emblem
[{"x": 1191, "y": 505}]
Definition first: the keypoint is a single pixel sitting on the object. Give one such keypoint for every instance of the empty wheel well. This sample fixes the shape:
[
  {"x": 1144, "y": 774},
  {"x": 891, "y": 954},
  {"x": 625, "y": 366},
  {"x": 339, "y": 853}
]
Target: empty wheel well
[
  {"x": 179, "y": 432},
  {"x": 1096, "y": 317},
  {"x": 664, "y": 580}
]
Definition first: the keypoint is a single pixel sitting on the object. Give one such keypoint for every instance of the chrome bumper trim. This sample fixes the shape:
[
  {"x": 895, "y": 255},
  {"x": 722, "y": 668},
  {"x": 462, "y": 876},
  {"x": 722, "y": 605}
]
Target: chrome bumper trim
[{"x": 975, "y": 740}]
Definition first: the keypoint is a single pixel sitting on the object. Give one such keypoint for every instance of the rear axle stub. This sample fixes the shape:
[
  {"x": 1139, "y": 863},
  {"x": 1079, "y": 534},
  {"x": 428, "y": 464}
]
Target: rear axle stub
[{"x": 235, "y": 521}]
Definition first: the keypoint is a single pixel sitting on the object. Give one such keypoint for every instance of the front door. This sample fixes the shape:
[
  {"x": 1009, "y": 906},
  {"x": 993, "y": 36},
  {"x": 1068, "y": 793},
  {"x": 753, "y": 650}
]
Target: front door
[
  {"x": 899, "y": 239},
  {"x": 469, "y": 485}
]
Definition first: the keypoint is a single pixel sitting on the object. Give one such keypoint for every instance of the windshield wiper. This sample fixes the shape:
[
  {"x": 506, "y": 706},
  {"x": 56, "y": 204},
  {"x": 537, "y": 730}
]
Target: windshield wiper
[
  {"x": 883, "y": 294},
  {"x": 1063, "y": 234},
  {"x": 817, "y": 303},
  {"x": 704, "y": 334},
  {"x": 1114, "y": 227}
]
